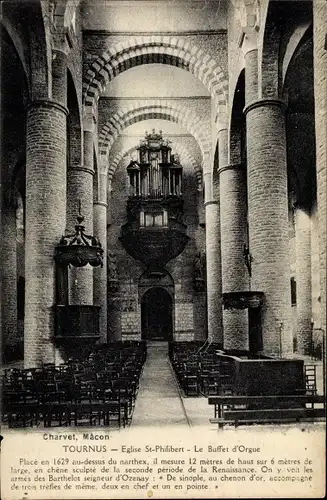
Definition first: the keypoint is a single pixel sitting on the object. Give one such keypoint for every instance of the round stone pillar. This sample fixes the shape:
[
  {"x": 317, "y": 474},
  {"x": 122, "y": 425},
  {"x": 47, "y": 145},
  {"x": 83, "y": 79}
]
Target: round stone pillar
[
  {"x": 251, "y": 72},
  {"x": 100, "y": 273},
  {"x": 9, "y": 276},
  {"x": 320, "y": 98},
  {"x": 114, "y": 298},
  {"x": 303, "y": 280},
  {"x": 235, "y": 276},
  {"x": 213, "y": 262},
  {"x": 59, "y": 76},
  {"x": 114, "y": 317},
  {"x": 80, "y": 195},
  {"x": 45, "y": 223},
  {"x": 268, "y": 221}
]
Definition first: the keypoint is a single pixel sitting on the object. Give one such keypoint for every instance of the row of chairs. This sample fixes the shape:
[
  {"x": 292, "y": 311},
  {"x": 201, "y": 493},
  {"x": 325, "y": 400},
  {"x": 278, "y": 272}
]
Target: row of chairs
[
  {"x": 97, "y": 390},
  {"x": 199, "y": 370},
  {"x": 184, "y": 360}
]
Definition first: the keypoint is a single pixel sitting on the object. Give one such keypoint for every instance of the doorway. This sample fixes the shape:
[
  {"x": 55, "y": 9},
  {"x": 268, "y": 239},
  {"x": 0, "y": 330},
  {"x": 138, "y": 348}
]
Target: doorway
[{"x": 156, "y": 314}]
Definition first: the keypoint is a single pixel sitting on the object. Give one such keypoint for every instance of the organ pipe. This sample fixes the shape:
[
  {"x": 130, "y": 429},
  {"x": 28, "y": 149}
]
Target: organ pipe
[{"x": 157, "y": 174}]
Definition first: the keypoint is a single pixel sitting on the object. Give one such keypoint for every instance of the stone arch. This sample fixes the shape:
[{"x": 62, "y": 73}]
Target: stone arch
[
  {"x": 150, "y": 50},
  {"x": 39, "y": 28},
  {"x": 63, "y": 26},
  {"x": 298, "y": 92},
  {"x": 17, "y": 39},
  {"x": 122, "y": 119},
  {"x": 185, "y": 156},
  {"x": 280, "y": 38},
  {"x": 155, "y": 277},
  {"x": 295, "y": 41},
  {"x": 270, "y": 53}
]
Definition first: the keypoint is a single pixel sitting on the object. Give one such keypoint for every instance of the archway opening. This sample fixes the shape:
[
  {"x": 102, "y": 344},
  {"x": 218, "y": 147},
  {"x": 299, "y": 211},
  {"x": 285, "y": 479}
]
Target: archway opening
[
  {"x": 157, "y": 315},
  {"x": 302, "y": 198},
  {"x": 14, "y": 96}
]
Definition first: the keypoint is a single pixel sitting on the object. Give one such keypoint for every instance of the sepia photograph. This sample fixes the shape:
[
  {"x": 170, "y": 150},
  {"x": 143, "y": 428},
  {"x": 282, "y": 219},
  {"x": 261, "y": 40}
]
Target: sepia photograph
[{"x": 163, "y": 248}]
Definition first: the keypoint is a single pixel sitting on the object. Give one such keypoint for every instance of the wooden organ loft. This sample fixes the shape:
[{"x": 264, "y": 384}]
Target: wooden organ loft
[{"x": 154, "y": 233}]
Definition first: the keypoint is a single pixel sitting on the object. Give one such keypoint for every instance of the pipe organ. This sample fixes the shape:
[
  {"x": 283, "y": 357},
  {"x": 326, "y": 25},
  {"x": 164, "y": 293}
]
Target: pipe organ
[
  {"x": 155, "y": 203},
  {"x": 157, "y": 173}
]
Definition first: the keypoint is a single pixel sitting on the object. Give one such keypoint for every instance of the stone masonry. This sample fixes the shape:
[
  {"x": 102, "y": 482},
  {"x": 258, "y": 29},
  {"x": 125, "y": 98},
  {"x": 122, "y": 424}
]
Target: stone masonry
[{"x": 79, "y": 87}]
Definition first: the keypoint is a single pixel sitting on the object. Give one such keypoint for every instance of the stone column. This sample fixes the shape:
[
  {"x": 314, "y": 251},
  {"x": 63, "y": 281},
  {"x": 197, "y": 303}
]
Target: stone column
[
  {"x": 46, "y": 173},
  {"x": 200, "y": 316},
  {"x": 114, "y": 300},
  {"x": 9, "y": 276},
  {"x": 251, "y": 70},
  {"x": 233, "y": 237},
  {"x": 213, "y": 260},
  {"x": 100, "y": 273},
  {"x": 268, "y": 221},
  {"x": 59, "y": 75},
  {"x": 114, "y": 317},
  {"x": 45, "y": 223},
  {"x": 232, "y": 181},
  {"x": 303, "y": 280},
  {"x": 320, "y": 94},
  {"x": 80, "y": 191}
]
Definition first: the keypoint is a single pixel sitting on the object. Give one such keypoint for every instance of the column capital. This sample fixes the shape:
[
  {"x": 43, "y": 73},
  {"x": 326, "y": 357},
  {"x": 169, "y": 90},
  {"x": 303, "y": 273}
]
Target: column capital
[
  {"x": 231, "y": 166},
  {"x": 46, "y": 103},
  {"x": 267, "y": 101}
]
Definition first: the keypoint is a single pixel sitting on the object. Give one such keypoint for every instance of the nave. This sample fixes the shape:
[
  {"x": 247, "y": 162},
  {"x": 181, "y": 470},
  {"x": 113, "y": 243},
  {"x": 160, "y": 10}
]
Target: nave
[
  {"x": 137, "y": 384},
  {"x": 162, "y": 181}
]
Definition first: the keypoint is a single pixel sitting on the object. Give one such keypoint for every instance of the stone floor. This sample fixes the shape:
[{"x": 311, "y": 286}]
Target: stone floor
[{"x": 159, "y": 400}]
